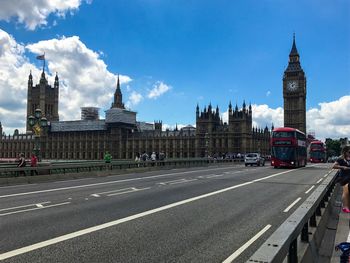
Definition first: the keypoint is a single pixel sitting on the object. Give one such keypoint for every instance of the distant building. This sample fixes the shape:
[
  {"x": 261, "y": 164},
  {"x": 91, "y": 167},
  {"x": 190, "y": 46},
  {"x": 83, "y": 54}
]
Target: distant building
[{"x": 123, "y": 136}]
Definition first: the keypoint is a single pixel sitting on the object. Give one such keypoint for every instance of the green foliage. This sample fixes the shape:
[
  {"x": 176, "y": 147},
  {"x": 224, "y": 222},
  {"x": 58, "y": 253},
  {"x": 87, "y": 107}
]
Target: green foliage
[{"x": 333, "y": 147}]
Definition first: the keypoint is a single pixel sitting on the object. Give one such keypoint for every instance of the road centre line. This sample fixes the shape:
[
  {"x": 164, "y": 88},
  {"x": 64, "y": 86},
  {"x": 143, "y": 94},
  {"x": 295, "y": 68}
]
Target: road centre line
[
  {"x": 22, "y": 206},
  {"x": 310, "y": 189},
  {"x": 105, "y": 183},
  {"x": 246, "y": 245},
  {"x": 116, "y": 190},
  {"x": 32, "y": 209},
  {"x": 183, "y": 181},
  {"x": 89, "y": 230},
  {"x": 319, "y": 181},
  {"x": 292, "y": 204},
  {"x": 134, "y": 190}
]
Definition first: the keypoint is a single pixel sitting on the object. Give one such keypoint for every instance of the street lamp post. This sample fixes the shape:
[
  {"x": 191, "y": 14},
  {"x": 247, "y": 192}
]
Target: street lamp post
[{"x": 37, "y": 124}]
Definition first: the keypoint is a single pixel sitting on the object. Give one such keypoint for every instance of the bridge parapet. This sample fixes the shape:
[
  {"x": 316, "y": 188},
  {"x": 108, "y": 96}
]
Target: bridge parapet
[{"x": 308, "y": 223}]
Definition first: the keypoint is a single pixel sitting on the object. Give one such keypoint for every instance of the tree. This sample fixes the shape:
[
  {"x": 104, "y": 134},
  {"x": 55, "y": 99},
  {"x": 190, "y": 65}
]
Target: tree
[{"x": 333, "y": 147}]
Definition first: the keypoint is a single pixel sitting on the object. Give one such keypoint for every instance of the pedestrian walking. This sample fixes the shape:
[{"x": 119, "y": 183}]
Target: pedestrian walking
[
  {"x": 21, "y": 163},
  {"x": 343, "y": 165},
  {"x": 33, "y": 163}
]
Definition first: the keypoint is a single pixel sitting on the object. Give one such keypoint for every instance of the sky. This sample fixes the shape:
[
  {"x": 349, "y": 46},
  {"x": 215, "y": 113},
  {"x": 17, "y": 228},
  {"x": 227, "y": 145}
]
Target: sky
[{"x": 174, "y": 54}]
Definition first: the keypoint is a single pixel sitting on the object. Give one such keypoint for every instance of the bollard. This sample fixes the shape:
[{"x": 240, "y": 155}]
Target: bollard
[{"x": 345, "y": 249}]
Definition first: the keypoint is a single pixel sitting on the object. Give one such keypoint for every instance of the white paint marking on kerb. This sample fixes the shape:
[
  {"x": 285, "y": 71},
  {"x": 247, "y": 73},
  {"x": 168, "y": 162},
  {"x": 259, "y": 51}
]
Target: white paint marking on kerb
[
  {"x": 312, "y": 187},
  {"x": 246, "y": 245},
  {"x": 89, "y": 230},
  {"x": 292, "y": 204}
]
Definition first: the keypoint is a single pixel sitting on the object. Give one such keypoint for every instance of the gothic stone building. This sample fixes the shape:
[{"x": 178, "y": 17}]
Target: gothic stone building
[
  {"x": 124, "y": 137},
  {"x": 294, "y": 92}
]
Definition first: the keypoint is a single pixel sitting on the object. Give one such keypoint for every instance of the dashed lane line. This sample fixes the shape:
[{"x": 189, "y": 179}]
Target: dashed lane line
[
  {"x": 246, "y": 245},
  {"x": 292, "y": 204}
]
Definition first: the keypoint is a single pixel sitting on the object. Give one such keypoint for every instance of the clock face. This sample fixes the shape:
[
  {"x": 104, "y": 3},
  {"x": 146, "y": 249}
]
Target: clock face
[{"x": 292, "y": 85}]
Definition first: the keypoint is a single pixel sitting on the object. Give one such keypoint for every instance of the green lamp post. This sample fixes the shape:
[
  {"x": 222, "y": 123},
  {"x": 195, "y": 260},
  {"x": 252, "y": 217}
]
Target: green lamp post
[{"x": 37, "y": 123}]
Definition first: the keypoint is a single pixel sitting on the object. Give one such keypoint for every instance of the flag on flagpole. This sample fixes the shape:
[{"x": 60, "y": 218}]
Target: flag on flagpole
[{"x": 41, "y": 57}]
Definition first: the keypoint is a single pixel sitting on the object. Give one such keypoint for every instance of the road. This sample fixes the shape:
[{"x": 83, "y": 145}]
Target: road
[{"x": 209, "y": 214}]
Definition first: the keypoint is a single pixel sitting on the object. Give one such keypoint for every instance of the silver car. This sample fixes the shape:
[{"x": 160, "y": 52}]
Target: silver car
[{"x": 254, "y": 159}]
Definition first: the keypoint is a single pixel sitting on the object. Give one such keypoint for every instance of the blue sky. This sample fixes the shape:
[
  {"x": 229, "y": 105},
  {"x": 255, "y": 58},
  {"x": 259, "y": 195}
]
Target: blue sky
[{"x": 186, "y": 52}]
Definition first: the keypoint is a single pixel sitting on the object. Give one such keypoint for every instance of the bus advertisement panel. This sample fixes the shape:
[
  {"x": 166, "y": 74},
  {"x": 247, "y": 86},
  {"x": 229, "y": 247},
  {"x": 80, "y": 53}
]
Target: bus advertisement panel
[{"x": 288, "y": 148}]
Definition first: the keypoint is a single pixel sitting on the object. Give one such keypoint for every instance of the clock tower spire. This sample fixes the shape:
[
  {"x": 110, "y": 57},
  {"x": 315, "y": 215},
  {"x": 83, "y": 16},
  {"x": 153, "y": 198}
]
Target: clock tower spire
[{"x": 294, "y": 92}]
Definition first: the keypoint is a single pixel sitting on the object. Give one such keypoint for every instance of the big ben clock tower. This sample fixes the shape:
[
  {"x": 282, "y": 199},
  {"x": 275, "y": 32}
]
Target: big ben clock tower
[{"x": 294, "y": 92}]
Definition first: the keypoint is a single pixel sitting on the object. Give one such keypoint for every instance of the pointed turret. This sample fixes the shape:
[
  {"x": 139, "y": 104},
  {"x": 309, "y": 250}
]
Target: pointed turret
[
  {"x": 217, "y": 110},
  {"x": 236, "y": 108},
  {"x": 197, "y": 111},
  {"x": 244, "y": 106},
  {"x": 250, "y": 108},
  {"x": 56, "y": 84},
  {"x": 118, "y": 97},
  {"x": 30, "y": 80},
  {"x": 230, "y": 108},
  {"x": 294, "y": 51},
  {"x": 294, "y": 64}
]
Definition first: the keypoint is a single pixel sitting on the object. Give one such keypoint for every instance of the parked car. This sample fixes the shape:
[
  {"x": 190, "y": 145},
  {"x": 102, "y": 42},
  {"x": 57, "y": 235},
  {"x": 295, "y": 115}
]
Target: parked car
[{"x": 254, "y": 159}]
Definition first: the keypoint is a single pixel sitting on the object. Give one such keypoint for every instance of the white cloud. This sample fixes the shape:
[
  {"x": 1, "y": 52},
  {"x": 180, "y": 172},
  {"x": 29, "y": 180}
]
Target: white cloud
[
  {"x": 35, "y": 13},
  {"x": 331, "y": 119},
  {"x": 158, "y": 89},
  {"x": 263, "y": 115},
  {"x": 84, "y": 78},
  {"x": 134, "y": 99}
]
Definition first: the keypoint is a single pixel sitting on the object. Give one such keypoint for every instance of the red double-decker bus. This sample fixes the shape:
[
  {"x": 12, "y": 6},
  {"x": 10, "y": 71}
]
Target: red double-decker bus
[
  {"x": 288, "y": 148},
  {"x": 317, "y": 152}
]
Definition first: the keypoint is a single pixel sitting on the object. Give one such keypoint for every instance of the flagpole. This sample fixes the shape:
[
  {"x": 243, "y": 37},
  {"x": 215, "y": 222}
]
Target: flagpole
[{"x": 44, "y": 63}]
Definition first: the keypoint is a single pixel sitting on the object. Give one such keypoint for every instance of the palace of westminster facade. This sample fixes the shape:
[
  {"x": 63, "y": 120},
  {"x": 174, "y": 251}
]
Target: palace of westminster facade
[{"x": 124, "y": 137}]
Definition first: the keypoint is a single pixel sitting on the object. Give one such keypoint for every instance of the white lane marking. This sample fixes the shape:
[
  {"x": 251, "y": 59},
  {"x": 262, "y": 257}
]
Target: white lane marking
[
  {"x": 32, "y": 209},
  {"x": 183, "y": 181},
  {"x": 348, "y": 240},
  {"x": 89, "y": 230},
  {"x": 319, "y": 181},
  {"x": 179, "y": 181},
  {"x": 95, "y": 195},
  {"x": 109, "y": 182},
  {"x": 291, "y": 205},
  {"x": 246, "y": 245},
  {"x": 214, "y": 175},
  {"x": 18, "y": 185},
  {"x": 312, "y": 187},
  {"x": 39, "y": 205},
  {"x": 326, "y": 175},
  {"x": 131, "y": 191},
  {"x": 22, "y": 206},
  {"x": 115, "y": 190}
]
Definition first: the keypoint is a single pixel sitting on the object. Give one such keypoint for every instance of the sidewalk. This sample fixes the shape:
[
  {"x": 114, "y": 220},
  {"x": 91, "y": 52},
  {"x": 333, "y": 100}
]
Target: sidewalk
[{"x": 342, "y": 234}]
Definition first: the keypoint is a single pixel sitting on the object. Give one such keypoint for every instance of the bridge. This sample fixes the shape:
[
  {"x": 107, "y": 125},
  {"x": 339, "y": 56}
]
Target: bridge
[{"x": 176, "y": 211}]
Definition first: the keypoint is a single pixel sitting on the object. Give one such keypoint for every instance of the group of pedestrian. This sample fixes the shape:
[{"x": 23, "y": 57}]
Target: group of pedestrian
[
  {"x": 22, "y": 163},
  {"x": 153, "y": 157},
  {"x": 343, "y": 177}
]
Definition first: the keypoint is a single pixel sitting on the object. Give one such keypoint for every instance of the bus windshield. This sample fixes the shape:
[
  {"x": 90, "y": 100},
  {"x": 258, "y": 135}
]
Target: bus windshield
[
  {"x": 318, "y": 155},
  {"x": 283, "y": 153}
]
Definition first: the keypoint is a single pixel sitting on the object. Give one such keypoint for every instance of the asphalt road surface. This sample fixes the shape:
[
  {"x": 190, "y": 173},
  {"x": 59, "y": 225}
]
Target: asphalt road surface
[{"x": 209, "y": 214}]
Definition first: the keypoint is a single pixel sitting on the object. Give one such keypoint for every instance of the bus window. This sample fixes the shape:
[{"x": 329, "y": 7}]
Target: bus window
[{"x": 283, "y": 134}]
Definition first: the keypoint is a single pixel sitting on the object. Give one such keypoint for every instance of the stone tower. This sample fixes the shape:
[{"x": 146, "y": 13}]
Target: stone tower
[
  {"x": 294, "y": 92},
  {"x": 118, "y": 97},
  {"x": 44, "y": 97}
]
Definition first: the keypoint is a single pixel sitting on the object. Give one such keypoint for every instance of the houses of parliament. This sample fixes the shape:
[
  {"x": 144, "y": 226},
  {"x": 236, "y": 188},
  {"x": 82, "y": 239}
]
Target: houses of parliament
[{"x": 123, "y": 136}]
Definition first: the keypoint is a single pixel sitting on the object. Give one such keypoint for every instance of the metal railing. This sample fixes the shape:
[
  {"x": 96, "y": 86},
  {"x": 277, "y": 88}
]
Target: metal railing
[
  {"x": 64, "y": 168},
  {"x": 283, "y": 243}
]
